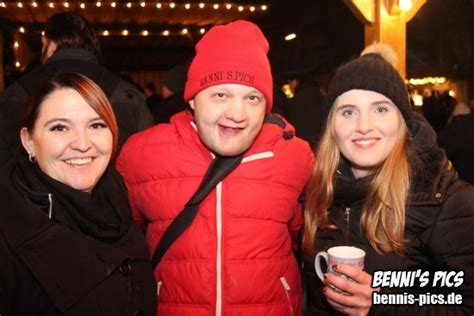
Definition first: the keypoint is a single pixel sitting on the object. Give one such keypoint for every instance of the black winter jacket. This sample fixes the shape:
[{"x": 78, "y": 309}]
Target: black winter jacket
[
  {"x": 457, "y": 139},
  {"x": 439, "y": 225},
  {"x": 128, "y": 103},
  {"x": 51, "y": 267}
]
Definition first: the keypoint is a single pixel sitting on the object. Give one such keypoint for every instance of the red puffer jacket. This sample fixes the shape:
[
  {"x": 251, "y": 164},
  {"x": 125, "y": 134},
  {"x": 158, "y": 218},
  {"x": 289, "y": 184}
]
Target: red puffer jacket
[{"x": 236, "y": 257}]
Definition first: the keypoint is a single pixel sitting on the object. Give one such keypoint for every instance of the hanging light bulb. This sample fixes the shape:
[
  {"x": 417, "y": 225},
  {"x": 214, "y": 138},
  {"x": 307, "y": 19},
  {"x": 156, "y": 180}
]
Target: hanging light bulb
[
  {"x": 158, "y": 5},
  {"x": 241, "y": 8},
  {"x": 105, "y": 33},
  {"x": 264, "y": 8},
  {"x": 82, "y": 5},
  {"x": 187, "y": 6},
  {"x": 125, "y": 32},
  {"x": 113, "y": 4},
  {"x": 201, "y": 5},
  {"x": 405, "y": 5}
]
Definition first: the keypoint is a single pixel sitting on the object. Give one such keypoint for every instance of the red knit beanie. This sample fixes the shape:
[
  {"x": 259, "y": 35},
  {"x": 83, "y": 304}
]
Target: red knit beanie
[{"x": 231, "y": 53}]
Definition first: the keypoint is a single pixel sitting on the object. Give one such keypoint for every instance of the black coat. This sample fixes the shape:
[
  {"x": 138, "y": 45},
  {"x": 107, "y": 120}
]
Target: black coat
[
  {"x": 439, "y": 224},
  {"x": 458, "y": 140},
  {"x": 52, "y": 268},
  {"x": 128, "y": 103}
]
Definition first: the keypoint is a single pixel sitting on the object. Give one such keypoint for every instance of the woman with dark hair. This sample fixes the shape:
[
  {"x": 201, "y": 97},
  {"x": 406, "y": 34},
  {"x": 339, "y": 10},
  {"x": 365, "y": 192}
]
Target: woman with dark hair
[
  {"x": 382, "y": 184},
  {"x": 68, "y": 245}
]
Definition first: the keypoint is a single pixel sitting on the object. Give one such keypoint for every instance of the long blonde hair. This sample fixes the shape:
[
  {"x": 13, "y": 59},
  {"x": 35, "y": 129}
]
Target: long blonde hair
[{"x": 383, "y": 212}]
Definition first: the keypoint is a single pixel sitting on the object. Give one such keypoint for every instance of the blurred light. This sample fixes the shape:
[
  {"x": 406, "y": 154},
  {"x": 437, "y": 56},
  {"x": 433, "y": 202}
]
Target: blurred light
[
  {"x": 201, "y": 5},
  {"x": 405, "y": 5},
  {"x": 215, "y": 6},
  {"x": 21, "y": 29},
  {"x": 184, "y": 31},
  {"x": 158, "y": 5},
  {"x": 51, "y": 5},
  {"x": 145, "y": 33},
  {"x": 42, "y": 33},
  {"x": 187, "y": 6},
  {"x": 17, "y": 64},
  {"x": 105, "y": 33},
  {"x": 172, "y": 5},
  {"x": 228, "y": 6},
  {"x": 98, "y": 4},
  {"x": 125, "y": 32},
  {"x": 66, "y": 4},
  {"x": 241, "y": 8},
  {"x": 20, "y": 5},
  {"x": 113, "y": 4},
  {"x": 252, "y": 9},
  {"x": 264, "y": 8},
  {"x": 82, "y": 5},
  {"x": 16, "y": 44},
  {"x": 417, "y": 99},
  {"x": 426, "y": 80},
  {"x": 290, "y": 37},
  {"x": 287, "y": 91},
  {"x": 3, "y": 5},
  {"x": 202, "y": 30},
  {"x": 452, "y": 93},
  {"x": 166, "y": 33},
  {"x": 34, "y": 4},
  {"x": 129, "y": 5},
  {"x": 142, "y": 4}
]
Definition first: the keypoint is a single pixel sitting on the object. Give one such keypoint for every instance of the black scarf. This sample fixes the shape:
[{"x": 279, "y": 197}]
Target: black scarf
[
  {"x": 347, "y": 189},
  {"x": 103, "y": 214}
]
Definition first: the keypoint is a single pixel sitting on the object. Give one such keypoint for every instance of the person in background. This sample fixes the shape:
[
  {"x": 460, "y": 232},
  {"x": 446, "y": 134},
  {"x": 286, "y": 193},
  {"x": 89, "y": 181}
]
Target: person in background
[
  {"x": 152, "y": 98},
  {"x": 68, "y": 245},
  {"x": 70, "y": 45},
  {"x": 173, "y": 88},
  {"x": 304, "y": 110},
  {"x": 382, "y": 184},
  {"x": 236, "y": 257},
  {"x": 457, "y": 138}
]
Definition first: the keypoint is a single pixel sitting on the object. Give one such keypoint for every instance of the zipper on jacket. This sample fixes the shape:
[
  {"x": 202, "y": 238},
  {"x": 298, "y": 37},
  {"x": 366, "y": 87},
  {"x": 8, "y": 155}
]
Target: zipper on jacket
[
  {"x": 50, "y": 198},
  {"x": 158, "y": 287},
  {"x": 347, "y": 218},
  {"x": 262, "y": 155},
  {"x": 219, "y": 249},
  {"x": 286, "y": 288}
]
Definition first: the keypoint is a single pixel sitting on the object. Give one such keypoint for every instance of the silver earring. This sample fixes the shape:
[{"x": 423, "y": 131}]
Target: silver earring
[{"x": 31, "y": 158}]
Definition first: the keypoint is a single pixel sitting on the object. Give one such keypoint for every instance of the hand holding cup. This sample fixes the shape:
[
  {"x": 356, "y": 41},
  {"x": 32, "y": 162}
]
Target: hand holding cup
[{"x": 339, "y": 255}]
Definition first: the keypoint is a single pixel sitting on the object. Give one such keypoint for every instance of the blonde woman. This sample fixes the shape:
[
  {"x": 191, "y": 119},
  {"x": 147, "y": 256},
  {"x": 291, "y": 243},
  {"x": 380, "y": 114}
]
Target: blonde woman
[{"x": 382, "y": 184}]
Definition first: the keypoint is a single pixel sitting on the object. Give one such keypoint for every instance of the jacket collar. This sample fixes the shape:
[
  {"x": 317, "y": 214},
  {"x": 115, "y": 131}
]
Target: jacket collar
[{"x": 72, "y": 53}]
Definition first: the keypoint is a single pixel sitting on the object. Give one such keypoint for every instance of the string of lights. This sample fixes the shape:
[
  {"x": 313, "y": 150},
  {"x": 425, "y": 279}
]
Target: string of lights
[{"x": 130, "y": 4}]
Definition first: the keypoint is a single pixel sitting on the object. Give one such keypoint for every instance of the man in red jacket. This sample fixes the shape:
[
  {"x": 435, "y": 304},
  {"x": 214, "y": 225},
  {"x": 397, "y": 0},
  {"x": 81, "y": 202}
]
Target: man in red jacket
[{"x": 236, "y": 257}]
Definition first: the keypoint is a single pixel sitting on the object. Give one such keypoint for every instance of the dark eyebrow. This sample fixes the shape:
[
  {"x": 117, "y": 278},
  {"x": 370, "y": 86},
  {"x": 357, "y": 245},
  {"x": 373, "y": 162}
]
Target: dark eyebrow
[
  {"x": 56, "y": 119},
  {"x": 345, "y": 106},
  {"x": 383, "y": 102}
]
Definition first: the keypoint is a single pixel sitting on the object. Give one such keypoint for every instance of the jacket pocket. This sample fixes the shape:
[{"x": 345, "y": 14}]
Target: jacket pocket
[{"x": 286, "y": 289}]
